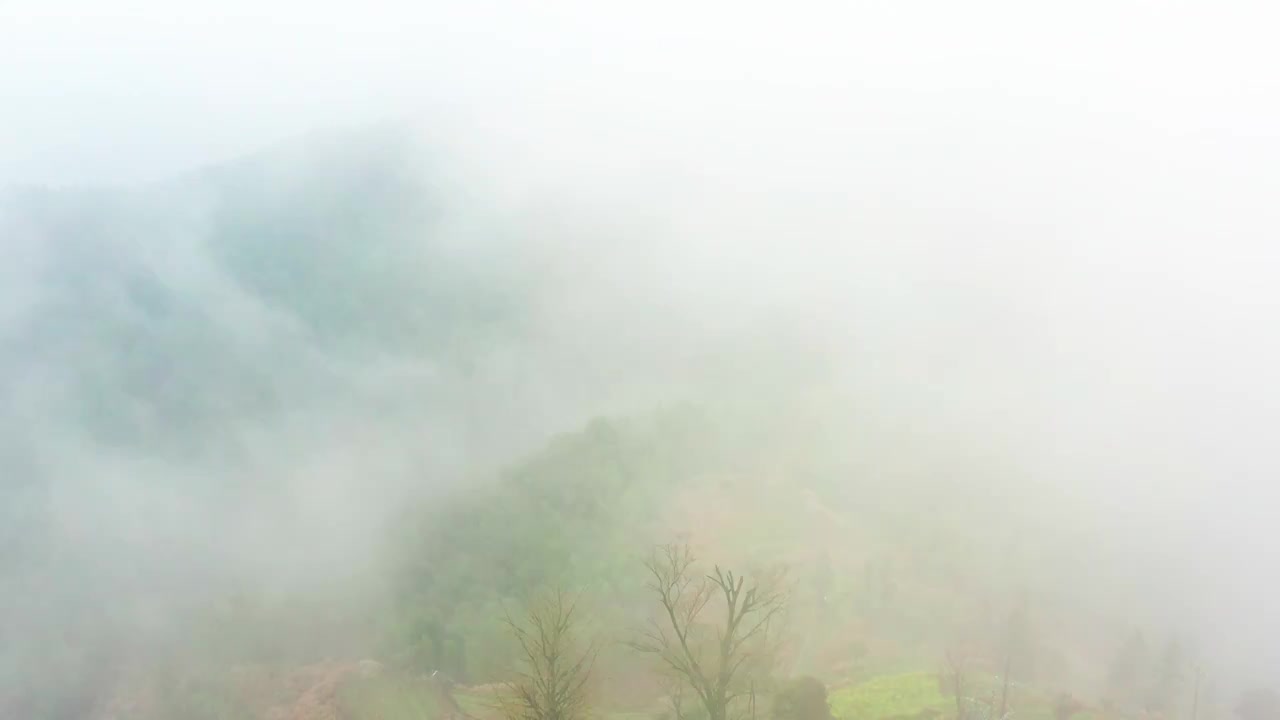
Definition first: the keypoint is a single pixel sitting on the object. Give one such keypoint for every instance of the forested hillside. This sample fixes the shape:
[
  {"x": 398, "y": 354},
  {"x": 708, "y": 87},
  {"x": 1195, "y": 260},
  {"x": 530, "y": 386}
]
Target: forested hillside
[
  {"x": 174, "y": 349},
  {"x": 318, "y": 406}
]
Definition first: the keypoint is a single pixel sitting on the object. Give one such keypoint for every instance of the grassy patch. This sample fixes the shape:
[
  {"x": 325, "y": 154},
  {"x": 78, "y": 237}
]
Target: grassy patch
[
  {"x": 479, "y": 706},
  {"x": 888, "y": 696}
]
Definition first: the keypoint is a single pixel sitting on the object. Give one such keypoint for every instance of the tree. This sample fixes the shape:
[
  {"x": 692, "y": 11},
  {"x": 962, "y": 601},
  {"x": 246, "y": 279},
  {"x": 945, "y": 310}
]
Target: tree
[
  {"x": 1167, "y": 688},
  {"x": 430, "y": 645},
  {"x": 554, "y": 682},
  {"x": 961, "y": 677},
  {"x": 1067, "y": 705},
  {"x": 1019, "y": 653},
  {"x": 712, "y": 632},
  {"x": 1127, "y": 676},
  {"x": 958, "y": 662},
  {"x": 1020, "y": 642}
]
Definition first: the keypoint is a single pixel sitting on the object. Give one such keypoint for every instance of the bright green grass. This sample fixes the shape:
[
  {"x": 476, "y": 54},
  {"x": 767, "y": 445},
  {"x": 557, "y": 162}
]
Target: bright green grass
[{"x": 888, "y": 695}]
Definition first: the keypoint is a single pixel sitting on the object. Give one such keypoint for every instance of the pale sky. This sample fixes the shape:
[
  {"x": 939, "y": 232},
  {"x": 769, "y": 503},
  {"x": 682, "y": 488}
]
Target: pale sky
[{"x": 96, "y": 91}]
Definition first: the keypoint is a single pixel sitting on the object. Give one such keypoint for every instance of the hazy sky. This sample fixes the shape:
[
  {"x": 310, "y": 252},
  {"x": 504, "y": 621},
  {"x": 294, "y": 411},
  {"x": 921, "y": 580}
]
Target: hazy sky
[
  {"x": 1097, "y": 179},
  {"x": 135, "y": 89}
]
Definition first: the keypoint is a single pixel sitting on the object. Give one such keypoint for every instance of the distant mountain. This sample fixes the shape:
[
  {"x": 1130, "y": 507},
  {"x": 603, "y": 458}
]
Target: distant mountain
[
  {"x": 165, "y": 314},
  {"x": 205, "y": 376}
]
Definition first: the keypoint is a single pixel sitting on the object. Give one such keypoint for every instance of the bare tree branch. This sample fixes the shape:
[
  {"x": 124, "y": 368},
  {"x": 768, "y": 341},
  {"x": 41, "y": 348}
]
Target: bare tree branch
[
  {"x": 554, "y": 682},
  {"x": 708, "y": 654}
]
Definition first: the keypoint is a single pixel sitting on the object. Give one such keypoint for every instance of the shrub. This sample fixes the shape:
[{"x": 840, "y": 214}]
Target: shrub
[{"x": 804, "y": 698}]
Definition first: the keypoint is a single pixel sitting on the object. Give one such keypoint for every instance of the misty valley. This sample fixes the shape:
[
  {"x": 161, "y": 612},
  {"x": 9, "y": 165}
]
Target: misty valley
[{"x": 315, "y": 435}]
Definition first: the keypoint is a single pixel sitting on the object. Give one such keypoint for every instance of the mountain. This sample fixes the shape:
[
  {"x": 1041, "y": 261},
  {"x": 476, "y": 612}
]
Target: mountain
[
  {"x": 342, "y": 398},
  {"x": 200, "y": 374}
]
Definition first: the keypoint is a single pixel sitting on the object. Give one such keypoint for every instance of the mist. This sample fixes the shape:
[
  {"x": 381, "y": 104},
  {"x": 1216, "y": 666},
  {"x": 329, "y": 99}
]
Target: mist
[{"x": 276, "y": 274}]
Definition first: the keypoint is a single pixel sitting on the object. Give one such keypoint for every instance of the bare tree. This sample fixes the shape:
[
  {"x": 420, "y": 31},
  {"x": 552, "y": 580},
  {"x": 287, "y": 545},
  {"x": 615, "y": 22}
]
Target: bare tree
[
  {"x": 554, "y": 682},
  {"x": 958, "y": 662},
  {"x": 1004, "y": 684},
  {"x": 712, "y": 633},
  {"x": 966, "y": 657}
]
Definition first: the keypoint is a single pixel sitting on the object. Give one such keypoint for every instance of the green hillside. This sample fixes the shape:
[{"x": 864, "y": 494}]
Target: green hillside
[{"x": 314, "y": 387}]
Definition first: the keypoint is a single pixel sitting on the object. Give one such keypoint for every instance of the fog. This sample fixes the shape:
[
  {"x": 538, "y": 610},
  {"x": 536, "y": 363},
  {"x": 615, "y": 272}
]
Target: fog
[{"x": 1022, "y": 241}]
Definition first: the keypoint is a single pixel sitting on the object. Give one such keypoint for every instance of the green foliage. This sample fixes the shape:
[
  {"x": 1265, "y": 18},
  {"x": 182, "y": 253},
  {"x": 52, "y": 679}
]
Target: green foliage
[
  {"x": 889, "y": 696},
  {"x": 570, "y": 516},
  {"x": 804, "y": 698},
  {"x": 426, "y": 644}
]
